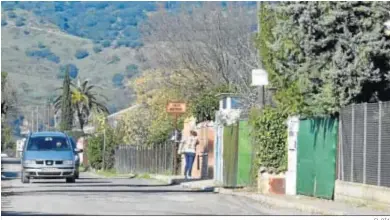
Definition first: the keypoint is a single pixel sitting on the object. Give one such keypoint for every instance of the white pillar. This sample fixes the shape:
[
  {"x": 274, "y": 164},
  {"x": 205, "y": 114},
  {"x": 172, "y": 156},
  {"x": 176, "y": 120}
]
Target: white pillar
[{"x": 292, "y": 140}]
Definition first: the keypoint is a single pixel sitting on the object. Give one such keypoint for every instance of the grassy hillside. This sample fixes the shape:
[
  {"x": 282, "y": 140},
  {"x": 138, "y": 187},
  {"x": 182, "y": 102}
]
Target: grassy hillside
[{"x": 28, "y": 51}]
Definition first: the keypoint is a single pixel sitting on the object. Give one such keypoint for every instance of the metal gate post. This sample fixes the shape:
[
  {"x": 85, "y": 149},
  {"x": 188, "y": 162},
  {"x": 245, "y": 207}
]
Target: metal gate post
[
  {"x": 379, "y": 142},
  {"x": 365, "y": 144},
  {"x": 353, "y": 137}
]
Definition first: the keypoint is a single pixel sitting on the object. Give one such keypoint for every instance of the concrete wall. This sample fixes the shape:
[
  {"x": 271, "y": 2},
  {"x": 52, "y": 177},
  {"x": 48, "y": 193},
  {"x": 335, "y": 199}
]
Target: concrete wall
[{"x": 356, "y": 192}]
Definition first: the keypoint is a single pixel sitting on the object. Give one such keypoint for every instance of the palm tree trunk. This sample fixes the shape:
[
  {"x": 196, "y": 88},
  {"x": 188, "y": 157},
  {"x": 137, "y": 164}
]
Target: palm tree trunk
[{"x": 80, "y": 116}]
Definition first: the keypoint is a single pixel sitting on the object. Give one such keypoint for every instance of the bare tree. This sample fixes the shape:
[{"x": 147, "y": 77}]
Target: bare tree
[{"x": 212, "y": 43}]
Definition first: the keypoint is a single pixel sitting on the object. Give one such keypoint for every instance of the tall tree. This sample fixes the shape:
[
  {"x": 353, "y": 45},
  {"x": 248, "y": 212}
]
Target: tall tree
[
  {"x": 83, "y": 101},
  {"x": 66, "y": 104},
  {"x": 336, "y": 52},
  {"x": 211, "y": 43}
]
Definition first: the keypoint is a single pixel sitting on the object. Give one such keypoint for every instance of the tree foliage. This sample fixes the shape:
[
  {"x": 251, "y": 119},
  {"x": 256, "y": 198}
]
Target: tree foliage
[
  {"x": 269, "y": 134},
  {"x": 213, "y": 44},
  {"x": 84, "y": 100},
  {"x": 335, "y": 53},
  {"x": 66, "y": 105}
]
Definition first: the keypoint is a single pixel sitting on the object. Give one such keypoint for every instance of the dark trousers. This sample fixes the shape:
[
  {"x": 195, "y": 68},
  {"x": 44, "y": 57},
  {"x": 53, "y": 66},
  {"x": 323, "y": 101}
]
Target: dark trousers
[{"x": 189, "y": 157}]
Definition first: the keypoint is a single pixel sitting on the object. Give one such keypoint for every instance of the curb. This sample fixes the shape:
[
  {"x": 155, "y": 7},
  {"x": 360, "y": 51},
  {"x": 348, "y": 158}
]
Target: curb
[
  {"x": 166, "y": 179},
  {"x": 281, "y": 203},
  {"x": 110, "y": 177}
]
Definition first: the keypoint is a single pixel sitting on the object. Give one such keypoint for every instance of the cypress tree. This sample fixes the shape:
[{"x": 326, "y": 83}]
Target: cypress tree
[
  {"x": 66, "y": 104},
  {"x": 338, "y": 52}
]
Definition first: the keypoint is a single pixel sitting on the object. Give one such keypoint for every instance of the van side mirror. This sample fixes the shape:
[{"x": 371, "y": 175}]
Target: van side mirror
[{"x": 78, "y": 150}]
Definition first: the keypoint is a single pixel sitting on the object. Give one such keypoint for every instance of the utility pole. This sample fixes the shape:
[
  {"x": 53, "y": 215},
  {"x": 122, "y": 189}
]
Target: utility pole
[
  {"x": 104, "y": 148},
  {"x": 262, "y": 88},
  {"x": 37, "y": 119},
  {"x": 32, "y": 120}
]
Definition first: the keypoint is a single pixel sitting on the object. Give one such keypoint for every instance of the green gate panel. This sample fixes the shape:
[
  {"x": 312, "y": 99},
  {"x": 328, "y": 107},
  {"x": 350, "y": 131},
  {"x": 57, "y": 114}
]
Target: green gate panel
[
  {"x": 230, "y": 148},
  {"x": 316, "y": 168},
  {"x": 244, "y": 155}
]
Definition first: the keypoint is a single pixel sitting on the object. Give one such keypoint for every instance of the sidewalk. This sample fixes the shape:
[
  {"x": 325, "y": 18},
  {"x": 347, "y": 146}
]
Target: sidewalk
[{"x": 310, "y": 205}]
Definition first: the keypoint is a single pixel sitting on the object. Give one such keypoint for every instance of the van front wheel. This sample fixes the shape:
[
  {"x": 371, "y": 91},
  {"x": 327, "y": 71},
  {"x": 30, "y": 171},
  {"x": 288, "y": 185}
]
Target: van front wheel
[
  {"x": 71, "y": 180},
  {"x": 24, "y": 178}
]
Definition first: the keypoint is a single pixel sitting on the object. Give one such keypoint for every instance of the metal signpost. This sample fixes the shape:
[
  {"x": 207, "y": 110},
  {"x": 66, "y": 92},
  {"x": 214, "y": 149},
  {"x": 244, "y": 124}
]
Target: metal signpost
[
  {"x": 176, "y": 108},
  {"x": 260, "y": 78}
]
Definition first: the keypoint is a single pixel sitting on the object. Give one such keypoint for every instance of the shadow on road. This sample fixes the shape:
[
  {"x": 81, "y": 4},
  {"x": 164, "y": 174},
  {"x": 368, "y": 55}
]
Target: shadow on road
[
  {"x": 65, "y": 184},
  {"x": 13, "y": 213},
  {"x": 68, "y": 191},
  {"x": 106, "y": 185}
]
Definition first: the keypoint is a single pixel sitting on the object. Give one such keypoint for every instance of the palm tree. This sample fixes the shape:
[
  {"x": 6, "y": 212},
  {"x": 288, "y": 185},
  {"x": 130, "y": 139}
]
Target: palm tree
[{"x": 84, "y": 99}]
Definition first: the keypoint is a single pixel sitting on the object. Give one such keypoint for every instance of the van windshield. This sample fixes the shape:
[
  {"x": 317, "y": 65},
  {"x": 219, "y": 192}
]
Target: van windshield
[{"x": 48, "y": 144}]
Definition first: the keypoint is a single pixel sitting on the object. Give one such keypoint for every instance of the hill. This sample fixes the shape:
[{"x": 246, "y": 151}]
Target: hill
[{"x": 35, "y": 53}]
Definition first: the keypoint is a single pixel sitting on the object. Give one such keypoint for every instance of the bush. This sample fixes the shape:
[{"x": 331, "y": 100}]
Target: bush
[
  {"x": 131, "y": 70},
  {"x": 41, "y": 45},
  {"x": 12, "y": 14},
  {"x": 97, "y": 49},
  {"x": 73, "y": 71},
  {"x": 269, "y": 135},
  {"x": 81, "y": 54},
  {"x": 3, "y": 22},
  {"x": 19, "y": 23},
  {"x": 43, "y": 53},
  {"x": 117, "y": 80},
  {"x": 106, "y": 43},
  {"x": 95, "y": 148}
]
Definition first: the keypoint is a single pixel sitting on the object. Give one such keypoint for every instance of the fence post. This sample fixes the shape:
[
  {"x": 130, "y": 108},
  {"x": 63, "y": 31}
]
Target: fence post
[
  {"x": 379, "y": 142},
  {"x": 353, "y": 138},
  {"x": 365, "y": 144},
  {"x": 340, "y": 157}
]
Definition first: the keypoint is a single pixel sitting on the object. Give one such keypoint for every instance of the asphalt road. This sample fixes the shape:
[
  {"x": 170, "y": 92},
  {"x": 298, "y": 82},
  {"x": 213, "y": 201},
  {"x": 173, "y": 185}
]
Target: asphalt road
[{"x": 92, "y": 195}]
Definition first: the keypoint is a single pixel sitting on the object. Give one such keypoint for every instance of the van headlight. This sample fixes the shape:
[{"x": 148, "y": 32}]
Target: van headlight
[
  {"x": 68, "y": 162},
  {"x": 29, "y": 162}
]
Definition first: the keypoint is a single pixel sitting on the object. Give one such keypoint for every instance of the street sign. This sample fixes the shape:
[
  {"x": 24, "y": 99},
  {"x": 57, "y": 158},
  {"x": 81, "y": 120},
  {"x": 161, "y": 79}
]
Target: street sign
[
  {"x": 259, "y": 77},
  {"x": 176, "y": 107}
]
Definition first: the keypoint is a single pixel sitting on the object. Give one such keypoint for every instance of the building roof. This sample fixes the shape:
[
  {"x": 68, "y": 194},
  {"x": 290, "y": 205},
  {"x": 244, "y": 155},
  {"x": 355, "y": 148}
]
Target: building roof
[
  {"x": 122, "y": 111},
  {"x": 223, "y": 95}
]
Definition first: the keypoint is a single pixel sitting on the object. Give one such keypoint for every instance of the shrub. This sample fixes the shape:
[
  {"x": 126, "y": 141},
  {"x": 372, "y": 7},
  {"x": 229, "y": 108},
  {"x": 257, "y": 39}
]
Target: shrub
[
  {"x": 41, "y": 45},
  {"x": 131, "y": 70},
  {"x": 106, "y": 43},
  {"x": 19, "y": 23},
  {"x": 3, "y": 22},
  {"x": 95, "y": 148},
  {"x": 43, "y": 53},
  {"x": 81, "y": 54},
  {"x": 73, "y": 71},
  {"x": 12, "y": 14},
  {"x": 97, "y": 49},
  {"x": 117, "y": 80},
  {"x": 269, "y": 135}
]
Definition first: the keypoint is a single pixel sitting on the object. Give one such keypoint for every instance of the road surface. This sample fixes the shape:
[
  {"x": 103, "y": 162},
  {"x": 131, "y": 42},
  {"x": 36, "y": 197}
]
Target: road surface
[{"x": 92, "y": 195}]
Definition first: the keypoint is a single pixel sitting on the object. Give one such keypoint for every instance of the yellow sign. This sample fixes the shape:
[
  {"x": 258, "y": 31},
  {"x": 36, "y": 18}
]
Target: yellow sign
[{"x": 176, "y": 107}]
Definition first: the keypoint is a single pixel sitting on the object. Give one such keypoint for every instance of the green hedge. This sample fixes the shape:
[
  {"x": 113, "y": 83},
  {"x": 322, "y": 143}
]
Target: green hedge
[{"x": 269, "y": 136}]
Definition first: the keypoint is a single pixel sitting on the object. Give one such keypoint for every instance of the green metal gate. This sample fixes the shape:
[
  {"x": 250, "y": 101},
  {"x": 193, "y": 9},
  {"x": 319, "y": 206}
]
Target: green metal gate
[
  {"x": 244, "y": 155},
  {"x": 230, "y": 155},
  {"x": 316, "y": 169}
]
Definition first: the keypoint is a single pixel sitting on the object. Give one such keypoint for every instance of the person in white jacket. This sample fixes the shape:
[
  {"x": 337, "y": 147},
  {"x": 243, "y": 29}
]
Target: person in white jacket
[{"x": 188, "y": 148}]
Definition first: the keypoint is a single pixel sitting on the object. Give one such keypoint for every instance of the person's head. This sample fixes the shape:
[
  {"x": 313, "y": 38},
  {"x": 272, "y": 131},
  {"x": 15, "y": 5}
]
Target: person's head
[{"x": 193, "y": 133}]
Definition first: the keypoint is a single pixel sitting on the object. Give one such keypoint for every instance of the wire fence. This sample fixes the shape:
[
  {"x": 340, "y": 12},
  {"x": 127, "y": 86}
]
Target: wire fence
[
  {"x": 157, "y": 159},
  {"x": 364, "y": 140}
]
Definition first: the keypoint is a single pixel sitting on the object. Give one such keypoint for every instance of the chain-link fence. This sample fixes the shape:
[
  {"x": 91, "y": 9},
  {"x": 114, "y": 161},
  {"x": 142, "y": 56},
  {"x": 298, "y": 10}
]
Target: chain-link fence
[
  {"x": 157, "y": 159},
  {"x": 364, "y": 144}
]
